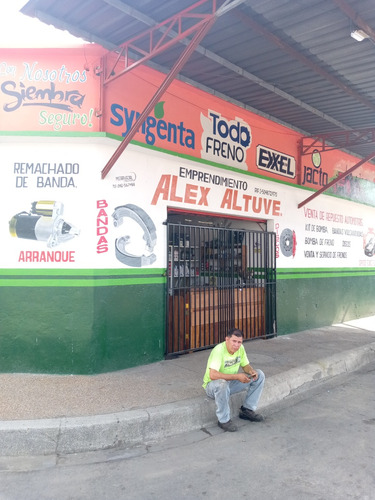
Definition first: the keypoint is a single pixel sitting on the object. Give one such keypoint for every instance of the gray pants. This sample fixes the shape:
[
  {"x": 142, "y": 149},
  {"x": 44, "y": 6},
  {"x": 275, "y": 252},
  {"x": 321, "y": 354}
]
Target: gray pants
[{"x": 221, "y": 390}]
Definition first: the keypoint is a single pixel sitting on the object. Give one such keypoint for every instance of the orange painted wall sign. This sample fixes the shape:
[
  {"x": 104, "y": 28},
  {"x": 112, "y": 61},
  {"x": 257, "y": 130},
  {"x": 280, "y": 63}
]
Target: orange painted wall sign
[
  {"x": 50, "y": 90},
  {"x": 60, "y": 90}
]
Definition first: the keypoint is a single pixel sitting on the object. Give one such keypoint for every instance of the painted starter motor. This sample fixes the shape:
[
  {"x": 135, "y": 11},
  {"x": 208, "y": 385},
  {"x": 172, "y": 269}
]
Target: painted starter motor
[{"x": 44, "y": 222}]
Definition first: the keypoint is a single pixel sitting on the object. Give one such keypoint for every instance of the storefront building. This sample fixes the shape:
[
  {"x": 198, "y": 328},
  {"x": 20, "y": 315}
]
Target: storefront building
[{"x": 195, "y": 229}]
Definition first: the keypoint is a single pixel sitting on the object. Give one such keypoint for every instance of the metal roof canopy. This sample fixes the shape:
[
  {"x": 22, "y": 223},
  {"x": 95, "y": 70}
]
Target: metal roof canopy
[{"x": 292, "y": 61}]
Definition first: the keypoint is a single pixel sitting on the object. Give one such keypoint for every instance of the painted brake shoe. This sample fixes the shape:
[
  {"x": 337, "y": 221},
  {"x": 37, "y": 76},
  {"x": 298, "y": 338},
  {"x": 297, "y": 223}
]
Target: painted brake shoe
[{"x": 142, "y": 218}]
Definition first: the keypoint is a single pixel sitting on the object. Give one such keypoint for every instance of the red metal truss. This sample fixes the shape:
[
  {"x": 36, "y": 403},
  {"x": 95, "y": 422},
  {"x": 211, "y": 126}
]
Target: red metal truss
[
  {"x": 336, "y": 140},
  {"x": 168, "y": 80},
  {"x": 338, "y": 179},
  {"x": 158, "y": 38},
  {"x": 152, "y": 42}
]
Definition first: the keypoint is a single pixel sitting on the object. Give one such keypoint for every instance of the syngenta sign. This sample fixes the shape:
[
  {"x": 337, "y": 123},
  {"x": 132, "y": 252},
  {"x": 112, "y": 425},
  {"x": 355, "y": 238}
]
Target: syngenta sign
[
  {"x": 154, "y": 127},
  {"x": 225, "y": 141}
]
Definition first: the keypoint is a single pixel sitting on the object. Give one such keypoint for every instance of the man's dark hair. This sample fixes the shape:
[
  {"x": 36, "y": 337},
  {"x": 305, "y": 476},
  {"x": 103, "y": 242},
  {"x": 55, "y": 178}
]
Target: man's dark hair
[{"x": 236, "y": 332}]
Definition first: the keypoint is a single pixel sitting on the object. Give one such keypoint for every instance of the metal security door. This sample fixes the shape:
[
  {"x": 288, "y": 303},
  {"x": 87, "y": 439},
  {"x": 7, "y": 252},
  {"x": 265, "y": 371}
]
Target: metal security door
[{"x": 219, "y": 278}]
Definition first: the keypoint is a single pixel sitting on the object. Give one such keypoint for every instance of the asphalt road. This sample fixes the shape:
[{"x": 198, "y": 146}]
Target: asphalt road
[{"x": 315, "y": 445}]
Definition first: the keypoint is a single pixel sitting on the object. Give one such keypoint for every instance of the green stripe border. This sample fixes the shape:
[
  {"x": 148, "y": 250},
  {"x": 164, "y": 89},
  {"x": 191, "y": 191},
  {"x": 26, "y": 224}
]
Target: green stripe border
[
  {"x": 80, "y": 277},
  {"x": 126, "y": 277},
  {"x": 321, "y": 272}
]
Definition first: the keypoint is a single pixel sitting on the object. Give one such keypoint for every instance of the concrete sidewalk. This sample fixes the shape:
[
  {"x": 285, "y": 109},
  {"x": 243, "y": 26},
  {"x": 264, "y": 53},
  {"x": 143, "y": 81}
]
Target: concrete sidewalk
[{"x": 51, "y": 414}]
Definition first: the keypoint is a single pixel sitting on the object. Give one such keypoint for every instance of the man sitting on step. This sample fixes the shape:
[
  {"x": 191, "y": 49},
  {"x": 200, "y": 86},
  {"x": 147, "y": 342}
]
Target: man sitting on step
[{"x": 222, "y": 378}]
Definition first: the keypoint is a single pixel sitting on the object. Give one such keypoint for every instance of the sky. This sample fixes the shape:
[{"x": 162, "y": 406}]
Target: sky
[{"x": 18, "y": 30}]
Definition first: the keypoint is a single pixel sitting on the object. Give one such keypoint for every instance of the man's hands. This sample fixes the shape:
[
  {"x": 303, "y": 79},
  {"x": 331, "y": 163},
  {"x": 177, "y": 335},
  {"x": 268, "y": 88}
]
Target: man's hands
[
  {"x": 244, "y": 378},
  {"x": 249, "y": 375}
]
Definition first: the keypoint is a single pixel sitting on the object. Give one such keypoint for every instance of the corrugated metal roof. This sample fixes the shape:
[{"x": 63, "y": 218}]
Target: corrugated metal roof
[{"x": 293, "y": 61}]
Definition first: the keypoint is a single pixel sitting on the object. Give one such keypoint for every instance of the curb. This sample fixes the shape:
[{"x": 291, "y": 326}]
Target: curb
[{"x": 135, "y": 427}]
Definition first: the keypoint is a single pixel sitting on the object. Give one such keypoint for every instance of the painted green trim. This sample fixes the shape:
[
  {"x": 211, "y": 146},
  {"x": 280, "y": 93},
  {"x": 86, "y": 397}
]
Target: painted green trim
[
  {"x": 78, "y": 283},
  {"x": 83, "y": 272},
  {"x": 299, "y": 273},
  {"x": 45, "y": 133},
  {"x": 112, "y": 277},
  {"x": 80, "y": 277}
]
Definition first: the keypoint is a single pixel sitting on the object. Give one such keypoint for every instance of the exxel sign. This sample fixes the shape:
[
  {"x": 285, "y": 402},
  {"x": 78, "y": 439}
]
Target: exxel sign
[{"x": 276, "y": 162}]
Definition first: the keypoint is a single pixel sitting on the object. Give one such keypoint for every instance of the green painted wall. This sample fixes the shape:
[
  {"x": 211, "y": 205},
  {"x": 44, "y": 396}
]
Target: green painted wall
[
  {"x": 86, "y": 321},
  {"x": 129, "y": 326},
  {"x": 311, "y": 298},
  {"x": 80, "y": 324},
  {"x": 46, "y": 329}
]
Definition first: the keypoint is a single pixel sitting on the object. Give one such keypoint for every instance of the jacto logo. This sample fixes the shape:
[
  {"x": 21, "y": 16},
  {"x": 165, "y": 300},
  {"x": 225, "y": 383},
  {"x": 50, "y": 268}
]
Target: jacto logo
[{"x": 225, "y": 141}]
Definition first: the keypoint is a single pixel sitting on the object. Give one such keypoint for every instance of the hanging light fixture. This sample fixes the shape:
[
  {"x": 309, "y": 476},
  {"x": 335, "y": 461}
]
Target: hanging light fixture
[{"x": 359, "y": 35}]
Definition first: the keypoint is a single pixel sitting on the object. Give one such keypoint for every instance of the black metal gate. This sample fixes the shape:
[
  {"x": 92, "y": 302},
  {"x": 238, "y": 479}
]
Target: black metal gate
[{"x": 218, "y": 279}]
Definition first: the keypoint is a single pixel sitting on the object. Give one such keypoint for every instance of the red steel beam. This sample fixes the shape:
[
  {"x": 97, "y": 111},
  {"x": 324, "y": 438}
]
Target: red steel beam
[
  {"x": 160, "y": 37},
  {"x": 338, "y": 179},
  {"x": 330, "y": 141},
  {"x": 168, "y": 80},
  {"x": 338, "y": 140}
]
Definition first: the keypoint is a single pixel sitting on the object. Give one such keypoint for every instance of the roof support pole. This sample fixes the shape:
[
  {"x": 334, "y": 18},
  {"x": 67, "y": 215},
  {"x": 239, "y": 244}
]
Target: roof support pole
[
  {"x": 179, "y": 64},
  {"x": 338, "y": 179},
  {"x": 299, "y": 160}
]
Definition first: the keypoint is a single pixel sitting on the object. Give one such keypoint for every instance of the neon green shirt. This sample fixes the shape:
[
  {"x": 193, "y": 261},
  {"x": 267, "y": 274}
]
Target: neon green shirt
[{"x": 221, "y": 361}]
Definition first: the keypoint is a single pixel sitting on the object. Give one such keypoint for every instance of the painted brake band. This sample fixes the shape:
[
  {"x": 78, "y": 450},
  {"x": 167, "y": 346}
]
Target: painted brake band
[{"x": 140, "y": 216}]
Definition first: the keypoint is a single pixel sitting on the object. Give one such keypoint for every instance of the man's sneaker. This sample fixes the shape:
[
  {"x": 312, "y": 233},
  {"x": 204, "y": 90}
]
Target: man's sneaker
[
  {"x": 247, "y": 414},
  {"x": 228, "y": 426}
]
